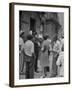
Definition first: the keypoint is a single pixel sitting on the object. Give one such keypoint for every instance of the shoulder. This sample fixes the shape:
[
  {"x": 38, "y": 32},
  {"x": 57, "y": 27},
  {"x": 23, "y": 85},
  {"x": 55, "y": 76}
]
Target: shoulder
[
  {"x": 61, "y": 55},
  {"x": 26, "y": 42},
  {"x": 62, "y": 41},
  {"x": 49, "y": 40},
  {"x": 20, "y": 40},
  {"x": 58, "y": 42},
  {"x": 30, "y": 42},
  {"x": 44, "y": 42}
]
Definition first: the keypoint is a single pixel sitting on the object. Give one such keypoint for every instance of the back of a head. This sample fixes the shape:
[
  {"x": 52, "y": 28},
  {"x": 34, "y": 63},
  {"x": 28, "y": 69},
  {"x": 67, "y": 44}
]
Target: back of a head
[
  {"x": 29, "y": 37},
  {"x": 45, "y": 37}
]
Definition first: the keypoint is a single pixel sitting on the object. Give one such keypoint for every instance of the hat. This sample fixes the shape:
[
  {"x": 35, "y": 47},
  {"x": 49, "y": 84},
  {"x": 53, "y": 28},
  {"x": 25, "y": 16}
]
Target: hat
[{"x": 21, "y": 32}]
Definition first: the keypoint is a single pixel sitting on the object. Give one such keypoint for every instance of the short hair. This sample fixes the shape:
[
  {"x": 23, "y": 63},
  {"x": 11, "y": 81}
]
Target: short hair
[
  {"x": 29, "y": 37},
  {"x": 45, "y": 37}
]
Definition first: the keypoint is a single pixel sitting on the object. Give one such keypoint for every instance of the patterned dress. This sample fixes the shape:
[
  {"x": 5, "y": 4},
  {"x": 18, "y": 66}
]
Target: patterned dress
[{"x": 44, "y": 60}]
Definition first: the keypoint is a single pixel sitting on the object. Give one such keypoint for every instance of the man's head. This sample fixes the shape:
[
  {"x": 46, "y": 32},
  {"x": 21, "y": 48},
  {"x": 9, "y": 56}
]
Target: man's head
[{"x": 29, "y": 37}]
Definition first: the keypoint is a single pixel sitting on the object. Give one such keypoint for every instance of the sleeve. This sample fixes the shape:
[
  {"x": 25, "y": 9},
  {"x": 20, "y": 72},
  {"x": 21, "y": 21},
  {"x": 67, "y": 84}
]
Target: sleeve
[
  {"x": 42, "y": 47},
  {"x": 32, "y": 49},
  {"x": 22, "y": 47},
  {"x": 50, "y": 47},
  {"x": 58, "y": 61},
  {"x": 57, "y": 47}
]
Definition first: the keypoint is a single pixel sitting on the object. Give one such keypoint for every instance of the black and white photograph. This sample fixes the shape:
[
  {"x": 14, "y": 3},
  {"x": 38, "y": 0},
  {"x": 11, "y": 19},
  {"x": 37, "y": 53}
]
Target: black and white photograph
[
  {"x": 40, "y": 49},
  {"x": 41, "y": 44}
]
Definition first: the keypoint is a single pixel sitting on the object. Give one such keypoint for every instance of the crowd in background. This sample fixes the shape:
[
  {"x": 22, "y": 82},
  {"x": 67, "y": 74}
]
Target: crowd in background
[{"x": 40, "y": 54}]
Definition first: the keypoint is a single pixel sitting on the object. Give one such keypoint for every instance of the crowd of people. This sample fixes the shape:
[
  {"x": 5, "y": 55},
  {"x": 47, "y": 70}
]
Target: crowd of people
[{"x": 40, "y": 54}]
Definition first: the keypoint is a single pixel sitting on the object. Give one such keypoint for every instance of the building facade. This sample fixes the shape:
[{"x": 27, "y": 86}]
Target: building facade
[{"x": 44, "y": 22}]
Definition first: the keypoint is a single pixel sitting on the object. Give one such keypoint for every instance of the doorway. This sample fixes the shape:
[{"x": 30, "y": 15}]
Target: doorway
[{"x": 33, "y": 25}]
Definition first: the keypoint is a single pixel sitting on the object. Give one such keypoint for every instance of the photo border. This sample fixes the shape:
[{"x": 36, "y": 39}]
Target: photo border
[{"x": 11, "y": 44}]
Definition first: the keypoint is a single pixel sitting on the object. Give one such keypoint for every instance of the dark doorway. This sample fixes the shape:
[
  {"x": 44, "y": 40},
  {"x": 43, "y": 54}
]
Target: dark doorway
[{"x": 32, "y": 25}]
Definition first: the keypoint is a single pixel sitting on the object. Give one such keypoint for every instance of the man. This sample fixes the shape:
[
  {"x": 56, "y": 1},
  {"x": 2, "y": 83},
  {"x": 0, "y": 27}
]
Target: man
[
  {"x": 56, "y": 50},
  {"x": 36, "y": 50},
  {"x": 29, "y": 57},
  {"x": 21, "y": 48}
]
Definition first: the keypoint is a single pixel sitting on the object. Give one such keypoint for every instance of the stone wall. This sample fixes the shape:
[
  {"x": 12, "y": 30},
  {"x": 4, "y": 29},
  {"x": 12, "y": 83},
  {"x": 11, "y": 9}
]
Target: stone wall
[
  {"x": 25, "y": 21},
  {"x": 49, "y": 28}
]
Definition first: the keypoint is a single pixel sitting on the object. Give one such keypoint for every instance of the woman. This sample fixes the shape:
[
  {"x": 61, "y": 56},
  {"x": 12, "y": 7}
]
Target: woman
[{"x": 44, "y": 60}]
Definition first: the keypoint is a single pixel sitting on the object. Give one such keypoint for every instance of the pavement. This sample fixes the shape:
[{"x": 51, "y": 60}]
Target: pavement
[{"x": 36, "y": 75}]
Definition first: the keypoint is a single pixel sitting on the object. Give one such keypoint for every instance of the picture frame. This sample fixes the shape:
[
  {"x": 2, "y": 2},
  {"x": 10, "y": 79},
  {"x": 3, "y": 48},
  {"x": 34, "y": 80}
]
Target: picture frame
[{"x": 15, "y": 24}]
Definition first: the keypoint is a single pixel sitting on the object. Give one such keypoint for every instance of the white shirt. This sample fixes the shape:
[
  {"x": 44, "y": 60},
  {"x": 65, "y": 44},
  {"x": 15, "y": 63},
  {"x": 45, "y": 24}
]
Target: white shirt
[
  {"x": 40, "y": 36},
  {"x": 57, "y": 46},
  {"x": 29, "y": 48}
]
